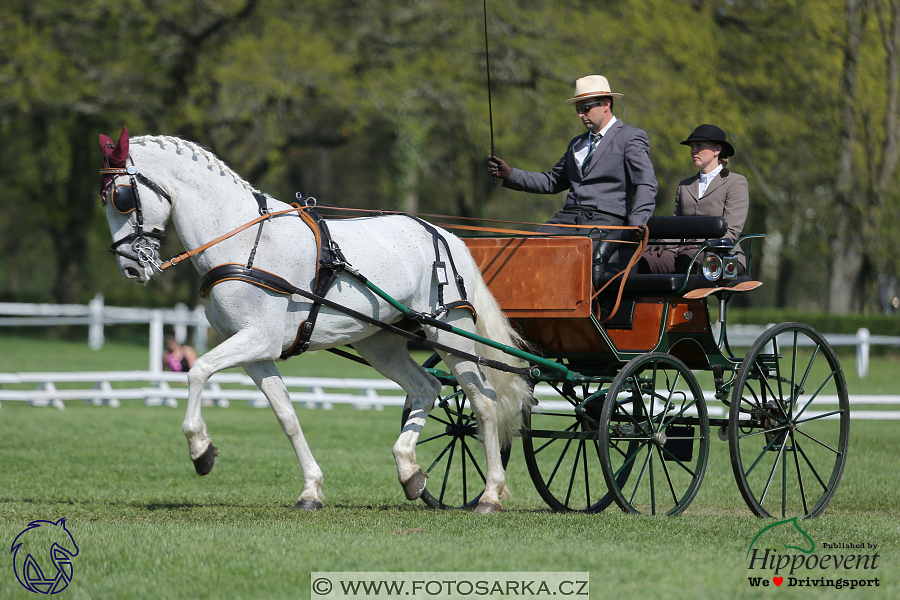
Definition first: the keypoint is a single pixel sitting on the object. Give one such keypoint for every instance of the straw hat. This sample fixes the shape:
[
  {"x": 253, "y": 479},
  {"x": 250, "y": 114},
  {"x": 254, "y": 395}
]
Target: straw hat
[{"x": 592, "y": 86}]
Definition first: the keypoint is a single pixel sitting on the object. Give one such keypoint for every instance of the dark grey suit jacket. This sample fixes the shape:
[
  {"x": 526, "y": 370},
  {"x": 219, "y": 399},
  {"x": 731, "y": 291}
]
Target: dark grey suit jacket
[{"x": 619, "y": 179}]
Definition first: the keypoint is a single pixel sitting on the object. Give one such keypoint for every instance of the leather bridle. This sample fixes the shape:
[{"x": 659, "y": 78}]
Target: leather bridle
[{"x": 142, "y": 249}]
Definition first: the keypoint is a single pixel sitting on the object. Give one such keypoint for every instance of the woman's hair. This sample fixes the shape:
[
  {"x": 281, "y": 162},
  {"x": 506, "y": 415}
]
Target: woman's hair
[{"x": 723, "y": 161}]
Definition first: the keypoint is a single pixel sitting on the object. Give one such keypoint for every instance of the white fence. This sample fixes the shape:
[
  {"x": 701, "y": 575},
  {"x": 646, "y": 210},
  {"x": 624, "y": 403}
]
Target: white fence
[
  {"x": 745, "y": 335},
  {"x": 96, "y": 315},
  {"x": 158, "y": 389}
]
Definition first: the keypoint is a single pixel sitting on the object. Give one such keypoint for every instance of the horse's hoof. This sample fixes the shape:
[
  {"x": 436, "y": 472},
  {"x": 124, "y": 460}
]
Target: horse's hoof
[
  {"x": 206, "y": 461},
  {"x": 308, "y": 505},
  {"x": 415, "y": 485},
  {"x": 487, "y": 508}
]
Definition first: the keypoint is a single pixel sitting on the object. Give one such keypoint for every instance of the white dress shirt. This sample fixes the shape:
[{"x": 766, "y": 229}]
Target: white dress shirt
[
  {"x": 706, "y": 179},
  {"x": 582, "y": 150}
]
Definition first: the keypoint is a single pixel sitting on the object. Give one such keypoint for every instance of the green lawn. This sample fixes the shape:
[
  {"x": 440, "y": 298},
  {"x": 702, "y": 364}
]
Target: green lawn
[{"x": 148, "y": 527}]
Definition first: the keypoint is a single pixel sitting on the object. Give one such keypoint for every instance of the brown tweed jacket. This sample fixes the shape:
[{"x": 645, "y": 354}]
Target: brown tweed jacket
[{"x": 727, "y": 196}]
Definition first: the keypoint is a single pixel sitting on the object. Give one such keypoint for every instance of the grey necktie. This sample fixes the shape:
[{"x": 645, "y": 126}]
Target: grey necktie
[{"x": 595, "y": 139}]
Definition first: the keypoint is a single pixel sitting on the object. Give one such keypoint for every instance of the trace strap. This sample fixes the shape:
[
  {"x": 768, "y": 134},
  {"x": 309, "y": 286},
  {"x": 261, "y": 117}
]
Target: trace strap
[{"x": 270, "y": 281}]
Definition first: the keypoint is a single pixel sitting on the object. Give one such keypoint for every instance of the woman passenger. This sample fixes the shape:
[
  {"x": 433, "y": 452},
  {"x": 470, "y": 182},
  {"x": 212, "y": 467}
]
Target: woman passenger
[{"x": 714, "y": 192}]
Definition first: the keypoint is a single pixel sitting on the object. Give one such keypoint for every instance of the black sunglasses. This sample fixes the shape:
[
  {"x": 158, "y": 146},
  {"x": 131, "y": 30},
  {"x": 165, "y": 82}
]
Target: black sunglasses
[{"x": 583, "y": 109}]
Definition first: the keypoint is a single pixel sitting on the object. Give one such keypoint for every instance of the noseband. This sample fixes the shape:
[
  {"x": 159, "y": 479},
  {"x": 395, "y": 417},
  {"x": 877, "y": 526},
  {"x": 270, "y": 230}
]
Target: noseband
[{"x": 127, "y": 201}]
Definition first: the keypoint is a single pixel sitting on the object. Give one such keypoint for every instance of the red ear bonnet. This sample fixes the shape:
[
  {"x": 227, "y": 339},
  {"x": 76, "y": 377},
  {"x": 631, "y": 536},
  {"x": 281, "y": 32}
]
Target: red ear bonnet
[{"x": 114, "y": 156}]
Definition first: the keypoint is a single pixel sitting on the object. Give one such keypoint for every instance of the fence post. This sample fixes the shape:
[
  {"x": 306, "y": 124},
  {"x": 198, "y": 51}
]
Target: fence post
[
  {"x": 862, "y": 352},
  {"x": 156, "y": 341},
  {"x": 201, "y": 329},
  {"x": 95, "y": 328},
  {"x": 180, "y": 325}
]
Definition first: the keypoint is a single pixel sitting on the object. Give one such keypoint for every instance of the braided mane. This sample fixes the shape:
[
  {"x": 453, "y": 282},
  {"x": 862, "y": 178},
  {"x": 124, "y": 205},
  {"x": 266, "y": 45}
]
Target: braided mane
[{"x": 181, "y": 145}]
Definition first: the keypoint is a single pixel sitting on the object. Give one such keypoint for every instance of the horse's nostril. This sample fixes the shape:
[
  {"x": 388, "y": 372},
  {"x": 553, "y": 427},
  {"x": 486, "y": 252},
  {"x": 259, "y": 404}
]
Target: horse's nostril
[{"x": 131, "y": 273}]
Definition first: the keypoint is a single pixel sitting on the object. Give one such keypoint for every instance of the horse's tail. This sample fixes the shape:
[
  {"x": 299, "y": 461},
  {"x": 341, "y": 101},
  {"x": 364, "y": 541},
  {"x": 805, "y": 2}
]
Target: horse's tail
[{"x": 511, "y": 390}]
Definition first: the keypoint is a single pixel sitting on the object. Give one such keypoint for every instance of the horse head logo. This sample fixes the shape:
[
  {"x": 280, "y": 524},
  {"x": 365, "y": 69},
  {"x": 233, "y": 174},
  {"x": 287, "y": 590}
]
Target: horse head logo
[
  {"x": 793, "y": 521},
  {"x": 41, "y": 547}
]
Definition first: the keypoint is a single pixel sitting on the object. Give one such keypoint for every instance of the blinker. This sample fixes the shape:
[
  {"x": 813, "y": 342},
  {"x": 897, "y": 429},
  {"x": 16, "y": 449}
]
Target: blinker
[{"x": 122, "y": 197}]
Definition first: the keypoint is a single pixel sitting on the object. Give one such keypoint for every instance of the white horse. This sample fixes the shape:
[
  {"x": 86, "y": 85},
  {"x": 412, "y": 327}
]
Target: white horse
[{"x": 205, "y": 199}]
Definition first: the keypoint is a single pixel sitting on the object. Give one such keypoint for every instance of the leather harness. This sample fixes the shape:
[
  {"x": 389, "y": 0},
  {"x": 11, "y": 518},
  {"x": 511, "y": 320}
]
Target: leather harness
[{"x": 330, "y": 261}]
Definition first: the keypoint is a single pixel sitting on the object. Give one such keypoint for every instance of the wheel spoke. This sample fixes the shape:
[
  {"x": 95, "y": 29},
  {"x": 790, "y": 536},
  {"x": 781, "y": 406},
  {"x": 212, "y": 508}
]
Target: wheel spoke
[
  {"x": 668, "y": 476},
  {"x": 551, "y": 440},
  {"x": 671, "y": 391},
  {"x": 812, "y": 468},
  {"x": 447, "y": 471},
  {"x": 432, "y": 438},
  {"x": 678, "y": 460},
  {"x": 680, "y": 413},
  {"x": 587, "y": 483},
  {"x": 799, "y": 474},
  {"x": 558, "y": 463},
  {"x": 764, "y": 451},
  {"x": 818, "y": 441},
  {"x": 772, "y": 472},
  {"x": 440, "y": 456},
  {"x": 474, "y": 462},
  {"x": 637, "y": 485},
  {"x": 813, "y": 397},
  {"x": 574, "y": 471}
]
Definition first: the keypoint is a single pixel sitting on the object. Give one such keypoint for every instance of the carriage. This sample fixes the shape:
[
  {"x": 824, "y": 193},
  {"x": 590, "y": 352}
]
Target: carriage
[
  {"x": 622, "y": 418},
  {"x": 619, "y": 416}
]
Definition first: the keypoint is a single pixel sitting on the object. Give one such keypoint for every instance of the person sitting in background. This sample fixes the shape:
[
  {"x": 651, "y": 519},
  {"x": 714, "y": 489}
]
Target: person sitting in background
[
  {"x": 176, "y": 357},
  {"x": 713, "y": 192}
]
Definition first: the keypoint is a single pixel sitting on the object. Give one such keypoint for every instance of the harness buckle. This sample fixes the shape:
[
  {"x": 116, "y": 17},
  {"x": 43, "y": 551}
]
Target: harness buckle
[
  {"x": 306, "y": 199},
  {"x": 440, "y": 272}
]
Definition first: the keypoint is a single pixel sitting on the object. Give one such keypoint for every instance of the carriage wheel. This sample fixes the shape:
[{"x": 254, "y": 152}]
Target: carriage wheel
[
  {"x": 561, "y": 443},
  {"x": 655, "y": 425},
  {"x": 787, "y": 456},
  {"x": 449, "y": 450}
]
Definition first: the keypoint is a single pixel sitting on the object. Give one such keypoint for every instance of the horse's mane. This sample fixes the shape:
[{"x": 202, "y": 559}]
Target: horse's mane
[{"x": 181, "y": 145}]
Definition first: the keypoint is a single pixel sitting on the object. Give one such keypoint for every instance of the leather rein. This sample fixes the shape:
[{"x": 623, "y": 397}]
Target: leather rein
[{"x": 144, "y": 250}]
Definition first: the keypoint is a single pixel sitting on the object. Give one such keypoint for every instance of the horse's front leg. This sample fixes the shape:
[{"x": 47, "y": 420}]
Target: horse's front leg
[
  {"x": 269, "y": 380},
  {"x": 239, "y": 349}
]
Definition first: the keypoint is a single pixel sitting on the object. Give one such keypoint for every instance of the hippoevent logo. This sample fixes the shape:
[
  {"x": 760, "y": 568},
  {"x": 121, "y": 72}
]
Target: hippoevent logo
[
  {"x": 42, "y": 556},
  {"x": 774, "y": 562}
]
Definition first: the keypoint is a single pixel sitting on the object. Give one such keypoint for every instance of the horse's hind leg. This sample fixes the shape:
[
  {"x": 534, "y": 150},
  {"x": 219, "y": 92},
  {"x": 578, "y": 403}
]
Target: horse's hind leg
[
  {"x": 268, "y": 379},
  {"x": 481, "y": 395},
  {"x": 387, "y": 353}
]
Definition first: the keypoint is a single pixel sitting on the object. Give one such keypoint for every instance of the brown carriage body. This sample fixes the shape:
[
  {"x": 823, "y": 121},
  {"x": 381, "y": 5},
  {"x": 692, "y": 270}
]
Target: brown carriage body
[{"x": 544, "y": 285}]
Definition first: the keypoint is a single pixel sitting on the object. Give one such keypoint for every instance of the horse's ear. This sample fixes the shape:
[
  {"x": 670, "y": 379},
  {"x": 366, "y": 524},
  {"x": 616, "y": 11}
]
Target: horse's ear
[
  {"x": 120, "y": 153},
  {"x": 106, "y": 144}
]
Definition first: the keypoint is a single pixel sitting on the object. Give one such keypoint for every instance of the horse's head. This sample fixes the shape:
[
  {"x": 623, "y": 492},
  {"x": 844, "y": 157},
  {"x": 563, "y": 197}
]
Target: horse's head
[{"x": 136, "y": 208}]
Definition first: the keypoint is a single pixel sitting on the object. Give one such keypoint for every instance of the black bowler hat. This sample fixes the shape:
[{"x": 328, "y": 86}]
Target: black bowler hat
[{"x": 710, "y": 133}]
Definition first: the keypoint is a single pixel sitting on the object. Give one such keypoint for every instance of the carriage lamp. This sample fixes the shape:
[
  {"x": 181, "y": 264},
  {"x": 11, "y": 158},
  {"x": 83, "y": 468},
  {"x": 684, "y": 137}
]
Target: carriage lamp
[
  {"x": 712, "y": 267},
  {"x": 730, "y": 267}
]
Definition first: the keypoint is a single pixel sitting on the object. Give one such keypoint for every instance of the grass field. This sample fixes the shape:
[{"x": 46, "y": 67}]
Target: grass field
[{"x": 148, "y": 527}]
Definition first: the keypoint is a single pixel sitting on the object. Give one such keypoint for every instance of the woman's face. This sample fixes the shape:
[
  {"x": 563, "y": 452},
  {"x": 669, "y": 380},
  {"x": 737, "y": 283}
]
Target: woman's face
[{"x": 705, "y": 155}]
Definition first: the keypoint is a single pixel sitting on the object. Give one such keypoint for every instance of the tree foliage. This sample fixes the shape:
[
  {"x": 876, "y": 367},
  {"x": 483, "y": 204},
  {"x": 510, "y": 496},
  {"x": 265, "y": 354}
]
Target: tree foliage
[{"x": 375, "y": 104}]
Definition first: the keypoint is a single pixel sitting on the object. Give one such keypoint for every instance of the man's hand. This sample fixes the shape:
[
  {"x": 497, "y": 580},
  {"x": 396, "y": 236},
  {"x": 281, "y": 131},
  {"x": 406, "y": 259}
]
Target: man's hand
[{"x": 496, "y": 167}]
